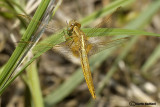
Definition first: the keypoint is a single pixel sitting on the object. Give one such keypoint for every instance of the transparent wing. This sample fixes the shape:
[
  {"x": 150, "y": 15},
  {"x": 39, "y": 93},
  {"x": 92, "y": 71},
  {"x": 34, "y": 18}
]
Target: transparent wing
[
  {"x": 50, "y": 27},
  {"x": 98, "y": 46},
  {"x": 62, "y": 49},
  {"x": 106, "y": 23},
  {"x": 65, "y": 51}
]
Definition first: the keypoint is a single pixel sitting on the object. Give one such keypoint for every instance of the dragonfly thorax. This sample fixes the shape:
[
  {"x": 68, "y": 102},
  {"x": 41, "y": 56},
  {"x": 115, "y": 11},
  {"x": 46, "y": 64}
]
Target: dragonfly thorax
[{"x": 71, "y": 25}]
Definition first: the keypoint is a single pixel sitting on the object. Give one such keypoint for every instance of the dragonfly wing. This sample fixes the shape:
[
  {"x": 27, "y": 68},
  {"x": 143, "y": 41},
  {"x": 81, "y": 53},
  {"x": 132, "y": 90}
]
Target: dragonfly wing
[
  {"x": 49, "y": 27},
  {"x": 106, "y": 23},
  {"x": 62, "y": 49},
  {"x": 65, "y": 50},
  {"x": 97, "y": 47}
]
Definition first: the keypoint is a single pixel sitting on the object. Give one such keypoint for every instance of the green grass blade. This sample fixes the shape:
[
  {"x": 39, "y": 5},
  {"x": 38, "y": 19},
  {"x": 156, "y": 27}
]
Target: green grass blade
[
  {"x": 154, "y": 57},
  {"x": 14, "y": 5},
  {"x": 105, "y": 11},
  {"x": 56, "y": 39},
  {"x": 11, "y": 64},
  {"x": 34, "y": 85},
  {"x": 117, "y": 31}
]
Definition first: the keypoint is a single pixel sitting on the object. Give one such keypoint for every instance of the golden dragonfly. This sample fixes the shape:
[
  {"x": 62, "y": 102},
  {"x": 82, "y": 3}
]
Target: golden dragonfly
[{"x": 79, "y": 44}]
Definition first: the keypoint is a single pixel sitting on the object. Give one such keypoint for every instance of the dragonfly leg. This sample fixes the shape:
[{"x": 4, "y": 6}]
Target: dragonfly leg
[
  {"x": 67, "y": 37},
  {"x": 69, "y": 43}
]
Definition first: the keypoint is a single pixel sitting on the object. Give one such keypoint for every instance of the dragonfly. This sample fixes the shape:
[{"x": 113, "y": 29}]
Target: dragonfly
[{"x": 79, "y": 44}]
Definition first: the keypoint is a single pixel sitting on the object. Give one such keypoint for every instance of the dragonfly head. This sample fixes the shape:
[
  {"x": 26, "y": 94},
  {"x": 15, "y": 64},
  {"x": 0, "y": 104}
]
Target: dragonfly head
[{"x": 71, "y": 25}]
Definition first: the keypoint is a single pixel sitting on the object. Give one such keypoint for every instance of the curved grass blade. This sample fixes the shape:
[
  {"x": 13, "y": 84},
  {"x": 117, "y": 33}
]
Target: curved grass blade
[
  {"x": 117, "y": 31},
  {"x": 153, "y": 58},
  {"x": 104, "y": 11},
  {"x": 20, "y": 52},
  {"x": 56, "y": 39}
]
